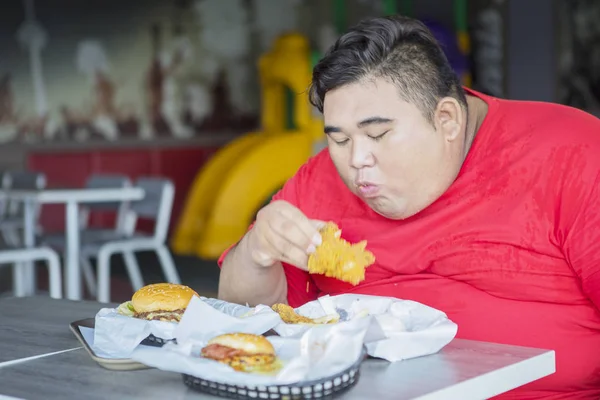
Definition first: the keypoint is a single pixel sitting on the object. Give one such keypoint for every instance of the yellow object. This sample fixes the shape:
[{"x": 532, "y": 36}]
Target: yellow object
[
  {"x": 464, "y": 45},
  {"x": 242, "y": 176},
  {"x": 467, "y": 79},
  {"x": 202, "y": 194},
  {"x": 464, "y": 42},
  {"x": 290, "y": 316},
  {"x": 339, "y": 259}
]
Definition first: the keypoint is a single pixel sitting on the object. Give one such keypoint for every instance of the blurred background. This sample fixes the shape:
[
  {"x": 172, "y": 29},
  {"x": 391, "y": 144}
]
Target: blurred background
[{"x": 210, "y": 95}]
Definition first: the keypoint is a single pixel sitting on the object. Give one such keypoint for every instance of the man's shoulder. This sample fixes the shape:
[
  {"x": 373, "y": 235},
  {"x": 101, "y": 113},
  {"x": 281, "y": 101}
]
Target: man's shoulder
[
  {"x": 552, "y": 122},
  {"x": 559, "y": 144}
]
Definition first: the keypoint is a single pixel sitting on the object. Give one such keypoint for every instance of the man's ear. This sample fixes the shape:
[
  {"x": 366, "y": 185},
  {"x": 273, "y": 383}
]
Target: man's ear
[{"x": 448, "y": 118}]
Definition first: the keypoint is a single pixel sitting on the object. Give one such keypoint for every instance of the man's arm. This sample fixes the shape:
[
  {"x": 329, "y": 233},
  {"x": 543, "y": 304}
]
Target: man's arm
[
  {"x": 243, "y": 281},
  {"x": 579, "y": 219},
  {"x": 582, "y": 241}
]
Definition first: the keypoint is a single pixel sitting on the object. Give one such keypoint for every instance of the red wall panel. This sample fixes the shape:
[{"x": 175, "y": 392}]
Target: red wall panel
[
  {"x": 130, "y": 162},
  {"x": 71, "y": 169}
]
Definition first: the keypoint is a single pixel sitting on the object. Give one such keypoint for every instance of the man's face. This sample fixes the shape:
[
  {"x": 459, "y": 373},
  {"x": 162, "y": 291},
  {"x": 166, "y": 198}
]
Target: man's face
[{"x": 387, "y": 152}]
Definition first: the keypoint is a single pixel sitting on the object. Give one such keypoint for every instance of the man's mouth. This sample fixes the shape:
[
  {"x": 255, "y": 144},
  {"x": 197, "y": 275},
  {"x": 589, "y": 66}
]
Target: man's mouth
[{"x": 367, "y": 189}]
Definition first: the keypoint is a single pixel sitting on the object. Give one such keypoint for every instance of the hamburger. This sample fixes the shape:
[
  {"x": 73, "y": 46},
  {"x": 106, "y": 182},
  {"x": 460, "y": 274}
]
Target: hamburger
[
  {"x": 158, "y": 302},
  {"x": 243, "y": 352}
]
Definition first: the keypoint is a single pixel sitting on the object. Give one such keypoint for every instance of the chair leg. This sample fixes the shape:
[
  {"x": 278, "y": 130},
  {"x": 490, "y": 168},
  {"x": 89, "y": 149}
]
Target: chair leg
[
  {"x": 20, "y": 257},
  {"x": 167, "y": 264},
  {"x": 54, "y": 274},
  {"x": 18, "y": 278},
  {"x": 133, "y": 270},
  {"x": 88, "y": 275},
  {"x": 103, "y": 274},
  {"x": 5, "y": 237},
  {"x": 11, "y": 237}
]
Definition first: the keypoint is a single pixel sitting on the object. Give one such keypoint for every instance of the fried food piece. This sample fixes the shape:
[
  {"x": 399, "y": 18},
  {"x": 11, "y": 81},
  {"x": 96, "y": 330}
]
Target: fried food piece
[
  {"x": 337, "y": 258},
  {"x": 289, "y": 316}
]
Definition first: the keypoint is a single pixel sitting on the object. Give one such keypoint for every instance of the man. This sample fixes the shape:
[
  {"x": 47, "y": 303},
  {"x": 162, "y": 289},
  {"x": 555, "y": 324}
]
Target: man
[{"x": 486, "y": 209}]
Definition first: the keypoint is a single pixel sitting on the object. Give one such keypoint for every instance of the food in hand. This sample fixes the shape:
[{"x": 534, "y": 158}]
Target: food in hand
[
  {"x": 158, "y": 302},
  {"x": 243, "y": 352},
  {"x": 289, "y": 316},
  {"x": 337, "y": 258}
]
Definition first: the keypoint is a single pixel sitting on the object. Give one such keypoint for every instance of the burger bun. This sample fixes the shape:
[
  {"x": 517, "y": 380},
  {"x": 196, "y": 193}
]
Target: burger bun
[
  {"x": 162, "y": 297},
  {"x": 248, "y": 343}
]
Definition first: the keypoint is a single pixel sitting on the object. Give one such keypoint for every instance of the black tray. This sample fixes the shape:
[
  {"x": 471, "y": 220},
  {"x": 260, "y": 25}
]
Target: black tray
[{"x": 326, "y": 388}]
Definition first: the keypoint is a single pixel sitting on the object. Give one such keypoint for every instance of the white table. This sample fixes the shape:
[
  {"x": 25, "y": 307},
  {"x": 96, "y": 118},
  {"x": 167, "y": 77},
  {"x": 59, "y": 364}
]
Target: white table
[
  {"x": 71, "y": 198},
  {"x": 463, "y": 370}
]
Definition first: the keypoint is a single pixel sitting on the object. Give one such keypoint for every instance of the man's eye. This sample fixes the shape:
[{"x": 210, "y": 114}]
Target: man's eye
[
  {"x": 378, "y": 137},
  {"x": 340, "y": 140}
]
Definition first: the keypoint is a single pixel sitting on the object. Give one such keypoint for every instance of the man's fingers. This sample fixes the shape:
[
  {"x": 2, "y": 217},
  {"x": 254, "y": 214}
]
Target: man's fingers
[
  {"x": 263, "y": 258},
  {"x": 292, "y": 232},
  {"x": 318, "y": 224},
  {"x": 286, "y": 235},
  {"x": 305, "y": 225},
  {"x": 298, "y": 263},
  {"x": 284, "y": 250}
]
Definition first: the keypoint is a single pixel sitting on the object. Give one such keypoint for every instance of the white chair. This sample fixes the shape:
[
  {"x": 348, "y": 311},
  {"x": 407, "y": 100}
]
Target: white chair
[
  {"x": 12, "y": 221},
  {"x": 90, "y": 235},
  {"x": 156, "y": 205},
  {"x": 4, "y": 181},
  {"x": 19, "y": 257},
  {"x": 121, "y": 209},
  {"x": 12, "y": 224}
]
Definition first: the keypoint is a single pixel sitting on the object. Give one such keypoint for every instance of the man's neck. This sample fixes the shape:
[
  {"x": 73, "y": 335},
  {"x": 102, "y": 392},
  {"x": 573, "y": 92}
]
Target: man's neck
[{"x": 477, "y": 110}]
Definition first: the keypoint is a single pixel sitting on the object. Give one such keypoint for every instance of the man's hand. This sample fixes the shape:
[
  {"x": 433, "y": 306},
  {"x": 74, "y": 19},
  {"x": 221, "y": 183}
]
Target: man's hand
[{"x": 283, "y": 233}]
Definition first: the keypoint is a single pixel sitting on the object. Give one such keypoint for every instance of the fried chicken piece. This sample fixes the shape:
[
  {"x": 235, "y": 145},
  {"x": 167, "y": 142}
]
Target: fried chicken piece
[
  {"x": 337, "y": 258},
  {"x": 289, "y": 316}
]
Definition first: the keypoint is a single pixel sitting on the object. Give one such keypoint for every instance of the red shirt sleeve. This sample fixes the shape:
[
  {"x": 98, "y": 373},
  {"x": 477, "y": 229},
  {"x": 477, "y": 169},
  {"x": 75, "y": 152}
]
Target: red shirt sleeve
[
  {"x": 301, "y": 288},
  {"x": 582, "y": 243}
]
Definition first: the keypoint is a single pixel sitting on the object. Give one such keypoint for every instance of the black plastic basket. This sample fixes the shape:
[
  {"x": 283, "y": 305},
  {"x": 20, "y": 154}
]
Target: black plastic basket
[
  {"x": 156, "y": 341},
  {"x": 326, "y": 388}
]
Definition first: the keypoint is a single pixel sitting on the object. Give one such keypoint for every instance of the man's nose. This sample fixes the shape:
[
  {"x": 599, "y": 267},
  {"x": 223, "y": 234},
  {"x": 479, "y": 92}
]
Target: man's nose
[{"x": 362, "y": 155}]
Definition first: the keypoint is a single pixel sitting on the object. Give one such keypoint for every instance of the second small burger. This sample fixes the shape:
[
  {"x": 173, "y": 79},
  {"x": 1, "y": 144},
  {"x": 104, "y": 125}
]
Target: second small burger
[
  {"x": 158, "y": 302},
  {"x": 243, "y": 352}
]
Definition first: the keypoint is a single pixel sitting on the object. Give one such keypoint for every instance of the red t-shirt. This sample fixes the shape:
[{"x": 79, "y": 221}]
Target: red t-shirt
[{"x": 511, "y": 252}]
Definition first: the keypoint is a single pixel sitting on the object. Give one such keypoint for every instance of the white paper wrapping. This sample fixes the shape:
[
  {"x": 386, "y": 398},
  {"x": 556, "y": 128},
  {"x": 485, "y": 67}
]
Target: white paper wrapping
[
  {"x": 118, "y": 335},
  {"x": 399, "y": 329},
  {"x": 319, "y": 353}
]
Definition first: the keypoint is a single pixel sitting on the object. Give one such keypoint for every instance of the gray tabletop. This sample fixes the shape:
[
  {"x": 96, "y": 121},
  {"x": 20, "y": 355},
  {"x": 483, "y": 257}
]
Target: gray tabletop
[
  {"x": 462, "y": 370},
  {"x": 39, "y": 324}
]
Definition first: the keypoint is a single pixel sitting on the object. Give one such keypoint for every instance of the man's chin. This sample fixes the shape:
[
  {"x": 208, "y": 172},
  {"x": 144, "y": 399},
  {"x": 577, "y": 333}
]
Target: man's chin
[{"x": 383, "y": 207}]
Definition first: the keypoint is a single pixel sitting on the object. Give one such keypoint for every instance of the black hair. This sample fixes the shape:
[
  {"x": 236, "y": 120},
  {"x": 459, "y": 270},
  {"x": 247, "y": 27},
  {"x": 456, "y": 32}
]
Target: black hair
[{"x": 399, "y": 49}]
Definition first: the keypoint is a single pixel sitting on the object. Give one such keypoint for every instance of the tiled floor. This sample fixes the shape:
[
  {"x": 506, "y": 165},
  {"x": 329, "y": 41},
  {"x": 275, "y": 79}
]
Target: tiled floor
[{"x": 200, "y": 275}]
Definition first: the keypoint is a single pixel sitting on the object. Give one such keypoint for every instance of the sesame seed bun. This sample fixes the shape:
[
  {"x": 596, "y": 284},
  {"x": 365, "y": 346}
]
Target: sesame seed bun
[
  {"x": 162, "y": 297},
  {"x": 250, "y": 344}
]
